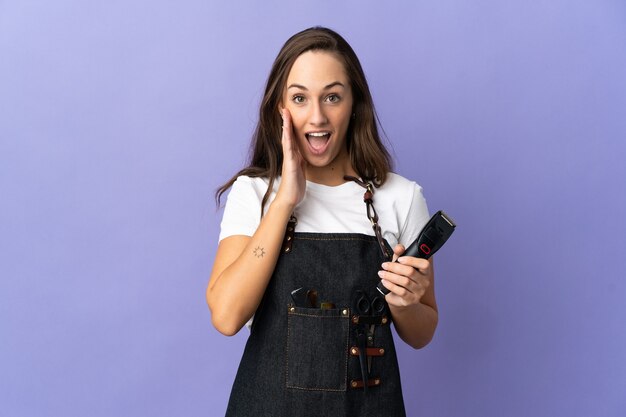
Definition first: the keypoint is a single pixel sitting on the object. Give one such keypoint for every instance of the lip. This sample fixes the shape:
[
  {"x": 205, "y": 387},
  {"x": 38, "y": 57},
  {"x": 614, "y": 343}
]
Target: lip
[
  {"x": 318, "y": 150},
  {"x": 317, "y": 131}
]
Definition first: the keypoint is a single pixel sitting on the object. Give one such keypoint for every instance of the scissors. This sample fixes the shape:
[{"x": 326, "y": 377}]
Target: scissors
[
  {"x": 367, "y": 309},
  {"x": 364, "y": 307}
]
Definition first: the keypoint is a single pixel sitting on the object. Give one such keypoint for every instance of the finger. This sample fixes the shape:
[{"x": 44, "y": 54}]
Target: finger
[
  {"x": 290, "y": 145},
  {"x": 395, "y": 289},
  {"x": 286, "y": 116},
  {"x": 402, "y": 292},
  {"x": 400, "y": 296},
  {"x": 287, "y": 129},
  {"x": 398, "y": 268},
  {"x": 415, "y": 284},
  {"x": 422, "y": 265},
  {"x": 397, "y": 279},
  {"x": 397, "y": 251}
]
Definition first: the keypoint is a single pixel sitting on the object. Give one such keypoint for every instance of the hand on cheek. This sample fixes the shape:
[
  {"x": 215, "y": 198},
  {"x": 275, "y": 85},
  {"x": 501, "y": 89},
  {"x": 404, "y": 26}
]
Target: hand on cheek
[{"x": 293, "y": 183}]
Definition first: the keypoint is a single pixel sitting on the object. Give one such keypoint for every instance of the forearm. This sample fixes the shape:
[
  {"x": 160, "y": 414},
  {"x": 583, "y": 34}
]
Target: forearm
[
  {"x": 235, "y": 292},
  {"x": 415, "y": 324}
]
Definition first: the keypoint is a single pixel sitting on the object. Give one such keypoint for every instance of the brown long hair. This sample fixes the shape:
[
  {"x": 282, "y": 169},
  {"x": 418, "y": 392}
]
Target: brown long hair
[{"x": 368, "y": 156}]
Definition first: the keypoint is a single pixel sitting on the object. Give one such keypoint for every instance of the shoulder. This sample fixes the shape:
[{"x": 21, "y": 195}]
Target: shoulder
[
  {"x": 244, "y": 182},
  {"x": 403, "y": 208},
  {"x": 398, "y": 187},
  {"x": 243, "y": 206},
  {"x": 250, "y": 187}
]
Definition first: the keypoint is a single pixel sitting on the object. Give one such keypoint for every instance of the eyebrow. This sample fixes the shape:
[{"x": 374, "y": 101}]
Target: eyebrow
[{"x": 329, "y": 86}]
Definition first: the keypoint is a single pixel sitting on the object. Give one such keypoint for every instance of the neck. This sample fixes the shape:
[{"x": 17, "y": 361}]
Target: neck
[{"x": 331, "y": 174}]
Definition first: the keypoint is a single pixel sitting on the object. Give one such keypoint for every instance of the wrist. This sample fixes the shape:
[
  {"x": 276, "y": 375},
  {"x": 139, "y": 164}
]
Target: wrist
[
  {"x": 286, "y": 199},
  {"x": 397, "y": 310},
  {"x": 281, "y": 206}
]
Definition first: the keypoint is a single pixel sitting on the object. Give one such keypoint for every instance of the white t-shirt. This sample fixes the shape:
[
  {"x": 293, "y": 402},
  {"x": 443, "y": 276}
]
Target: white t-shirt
[{"x": 400, "y": 205}]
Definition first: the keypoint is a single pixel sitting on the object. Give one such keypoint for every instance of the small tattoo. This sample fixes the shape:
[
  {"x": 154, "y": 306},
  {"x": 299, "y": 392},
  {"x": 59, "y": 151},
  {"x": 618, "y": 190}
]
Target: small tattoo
[{"x": 259, "y": 252}]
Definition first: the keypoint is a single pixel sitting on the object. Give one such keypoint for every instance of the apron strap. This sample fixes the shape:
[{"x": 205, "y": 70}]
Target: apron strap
[
  {"x": 371, "y": 212},
  {"x": 368, "y": 198},
  {"x": 291, "y": 229}
]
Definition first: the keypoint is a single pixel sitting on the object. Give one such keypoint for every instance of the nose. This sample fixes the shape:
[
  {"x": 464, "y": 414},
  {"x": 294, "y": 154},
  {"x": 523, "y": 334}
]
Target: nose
[{"x": 317, "y": 116}]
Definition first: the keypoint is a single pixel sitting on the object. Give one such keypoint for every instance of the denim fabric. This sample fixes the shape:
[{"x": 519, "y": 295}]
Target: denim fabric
[
  {"x": 297, "y": 362},
  {"x": 320, "y": 338}
]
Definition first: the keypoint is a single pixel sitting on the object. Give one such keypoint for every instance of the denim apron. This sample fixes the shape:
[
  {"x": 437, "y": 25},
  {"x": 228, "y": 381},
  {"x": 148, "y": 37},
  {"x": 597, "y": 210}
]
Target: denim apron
[{"x": 302, "y": 361}]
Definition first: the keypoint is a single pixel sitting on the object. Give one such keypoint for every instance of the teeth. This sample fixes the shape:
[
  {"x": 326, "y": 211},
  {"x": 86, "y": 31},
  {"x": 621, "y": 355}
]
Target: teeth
[{"x": 318, "y": 134}]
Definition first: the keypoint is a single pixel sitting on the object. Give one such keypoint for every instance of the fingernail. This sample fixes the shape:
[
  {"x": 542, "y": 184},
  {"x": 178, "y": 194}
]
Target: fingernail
[
  {"x": 384, "y": 265},
  {"x": 381, "y": 273}
]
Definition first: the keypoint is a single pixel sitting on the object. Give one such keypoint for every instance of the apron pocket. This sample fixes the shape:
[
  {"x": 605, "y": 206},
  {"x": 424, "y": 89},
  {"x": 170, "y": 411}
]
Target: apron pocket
[{"x": 317, "y": 348}]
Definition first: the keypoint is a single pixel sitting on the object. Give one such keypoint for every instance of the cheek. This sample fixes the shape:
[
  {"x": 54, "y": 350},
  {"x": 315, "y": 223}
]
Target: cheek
[
  {"x": 297, "y": 121},
  {"x": 343, "y": 120}
]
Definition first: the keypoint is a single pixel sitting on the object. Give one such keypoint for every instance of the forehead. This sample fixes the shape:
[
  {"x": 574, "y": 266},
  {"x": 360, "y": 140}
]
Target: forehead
[{"x": 317, "y": 68}]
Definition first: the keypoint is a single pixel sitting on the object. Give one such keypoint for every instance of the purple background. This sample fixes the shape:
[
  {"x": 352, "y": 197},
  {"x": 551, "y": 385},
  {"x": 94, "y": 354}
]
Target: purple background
[{"x": 119, "y": 119}]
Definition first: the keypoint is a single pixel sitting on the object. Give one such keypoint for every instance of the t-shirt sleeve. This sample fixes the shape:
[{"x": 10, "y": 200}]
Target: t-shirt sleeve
[
  {"x": 416, "y": 218},
  {"x": 242, "y": 210}
]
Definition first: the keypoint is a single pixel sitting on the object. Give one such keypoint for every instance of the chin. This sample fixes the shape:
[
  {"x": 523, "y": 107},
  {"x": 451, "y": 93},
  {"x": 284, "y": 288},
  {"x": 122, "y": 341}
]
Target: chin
[{"x": 318, "y": 162}]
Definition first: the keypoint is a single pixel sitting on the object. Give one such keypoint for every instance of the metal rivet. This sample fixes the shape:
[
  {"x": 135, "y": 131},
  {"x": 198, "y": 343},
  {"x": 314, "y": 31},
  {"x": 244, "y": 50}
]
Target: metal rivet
[
  {"x": 290, "y": 229},
  {"x": 288, "y": 238},
  {"x": 292, "y": 309},
  {"x": 354, "y": 351},
  {"x": 355, "y": 319},
  {"x": 354, "y": 384},
  {"x": 384, "y": 320},
  {"x": 381, "y": 351},
  {"x": 287, "y": 249},
  {"x": 377, "y": 381},
  {"x": 370, "y": 338},
  {"x": 344, "y": 312}
]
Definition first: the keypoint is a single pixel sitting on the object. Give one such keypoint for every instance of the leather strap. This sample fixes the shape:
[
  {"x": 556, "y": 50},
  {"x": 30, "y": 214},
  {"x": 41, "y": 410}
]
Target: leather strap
[
  {"x": 370, "y": 351},
  {"x": 368, "y": 198},
  {"x": 288, "y": 239},
  {"x": 371, "y": 382},
  {"x": 356, "y": 319}
]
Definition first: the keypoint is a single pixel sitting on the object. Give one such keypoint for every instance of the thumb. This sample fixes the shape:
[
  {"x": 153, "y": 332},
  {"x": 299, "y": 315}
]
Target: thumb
[{"x": 398, "y": 250}]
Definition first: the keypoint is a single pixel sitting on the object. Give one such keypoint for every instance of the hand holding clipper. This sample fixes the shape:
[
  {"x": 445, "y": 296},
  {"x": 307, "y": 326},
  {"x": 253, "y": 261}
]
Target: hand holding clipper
[{"x": 432, "y": 237}]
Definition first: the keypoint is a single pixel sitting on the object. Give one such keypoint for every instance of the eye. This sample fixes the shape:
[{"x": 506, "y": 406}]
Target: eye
[
  {"x": 333, "y": 98},
  {"x": 298, "y": 99}
]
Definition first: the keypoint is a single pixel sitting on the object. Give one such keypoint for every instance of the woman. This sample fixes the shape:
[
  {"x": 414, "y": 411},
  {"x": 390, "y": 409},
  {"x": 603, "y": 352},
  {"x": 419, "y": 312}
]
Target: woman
[{"x": 301, "y": 252}]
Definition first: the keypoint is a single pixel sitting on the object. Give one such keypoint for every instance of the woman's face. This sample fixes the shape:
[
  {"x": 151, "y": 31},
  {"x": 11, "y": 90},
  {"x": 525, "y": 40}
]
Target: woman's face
[{"x": 319, "y": 99}]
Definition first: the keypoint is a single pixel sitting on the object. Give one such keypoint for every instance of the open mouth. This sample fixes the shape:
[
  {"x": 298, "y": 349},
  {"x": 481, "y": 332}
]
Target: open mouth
[{"x": 318, "y": 141}]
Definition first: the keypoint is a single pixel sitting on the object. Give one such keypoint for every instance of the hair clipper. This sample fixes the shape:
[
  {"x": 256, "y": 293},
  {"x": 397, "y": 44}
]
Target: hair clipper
[{"x": 432, "y": 237}]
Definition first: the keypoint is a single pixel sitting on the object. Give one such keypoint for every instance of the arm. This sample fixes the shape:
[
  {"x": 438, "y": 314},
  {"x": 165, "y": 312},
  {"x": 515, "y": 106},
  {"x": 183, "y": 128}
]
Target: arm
[
  {"x": 242, "y": 269},
  {"x": 412, "y": 297},
  {"x": 244, "y": 264}
]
